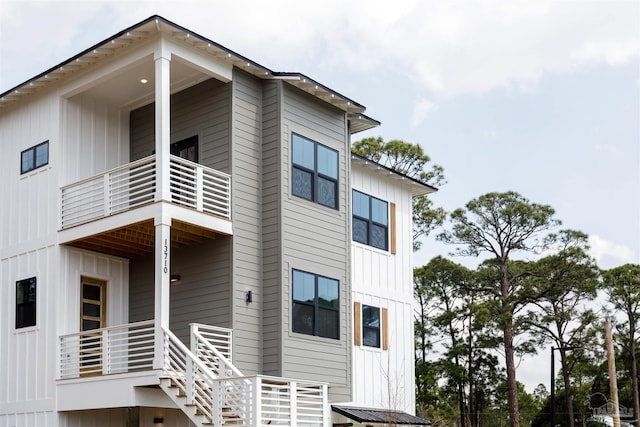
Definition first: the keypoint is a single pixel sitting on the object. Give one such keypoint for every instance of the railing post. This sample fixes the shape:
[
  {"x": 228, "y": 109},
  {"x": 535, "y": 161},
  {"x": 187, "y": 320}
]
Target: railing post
[
  {"x": 190, "y": 380},
  {"x": 104, "y": 344},
  {"x": 257, "y": 401},
  {"x": 106, "y": 193},
  {"x": 199, "y": 189},
  {"x": 293, "y": 414},
  {"x": 193, "y": 328},
  {"x": 326, "y": 414}
]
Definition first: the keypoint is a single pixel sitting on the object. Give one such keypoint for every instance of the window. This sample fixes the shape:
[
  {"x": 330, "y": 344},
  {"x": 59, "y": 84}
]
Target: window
[
  {"x": 26, "y": 303},
  {"x": 316, "y": 305},
  {"x": 370, "y": 220},
  {"x": 370, "y": 326},
  {"x": 315, "y": 171},
  {"x": 34, "y": 157}
]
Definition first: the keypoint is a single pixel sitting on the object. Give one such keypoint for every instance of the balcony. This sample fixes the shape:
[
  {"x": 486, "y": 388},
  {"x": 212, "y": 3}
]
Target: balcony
[
  {"x": 133, "y": 185},
  {"x": 114, "y": 211}
]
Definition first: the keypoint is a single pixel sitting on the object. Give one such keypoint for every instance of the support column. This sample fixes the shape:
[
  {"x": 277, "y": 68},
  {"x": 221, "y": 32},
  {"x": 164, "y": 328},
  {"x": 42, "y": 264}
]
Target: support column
[
  {"x": 162, "y": 60},
  {"x": 162, "y": 266}
]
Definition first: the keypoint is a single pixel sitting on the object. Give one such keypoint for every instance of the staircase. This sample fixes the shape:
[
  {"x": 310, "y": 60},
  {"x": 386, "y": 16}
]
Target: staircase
[{"x": 211, "y": 391}]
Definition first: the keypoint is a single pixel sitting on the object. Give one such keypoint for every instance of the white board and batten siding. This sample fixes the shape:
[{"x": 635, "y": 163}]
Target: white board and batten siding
[
  {"x": 315, "y": 239},
  {"x": 385, "y": 378},
  {"x": 28, "y": 249}
]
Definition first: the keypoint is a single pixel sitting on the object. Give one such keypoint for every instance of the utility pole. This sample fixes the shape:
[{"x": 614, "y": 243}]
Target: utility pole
[{"x": 613, "y": 382}]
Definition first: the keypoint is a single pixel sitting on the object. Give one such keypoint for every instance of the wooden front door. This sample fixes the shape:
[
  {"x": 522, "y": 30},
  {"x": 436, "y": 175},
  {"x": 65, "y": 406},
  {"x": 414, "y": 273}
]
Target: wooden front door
[{"x": 92, "y": 316}]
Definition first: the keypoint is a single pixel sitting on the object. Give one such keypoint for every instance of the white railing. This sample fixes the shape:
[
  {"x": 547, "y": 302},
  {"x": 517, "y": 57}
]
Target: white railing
[
  {"x": 134, "y": 184},
  {"x": 219, "y": 400},
  {"x": 217, "y": 337},
  {"x": 203, "y": 382},
  {"x": 289, "y": 402},
  {"x": 117, "y": 349}
]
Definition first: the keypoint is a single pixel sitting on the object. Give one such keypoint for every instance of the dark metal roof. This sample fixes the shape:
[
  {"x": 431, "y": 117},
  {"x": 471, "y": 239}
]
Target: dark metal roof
[
  {"x": 380, "y": 416},
  {"x": 421, "y": 187}
]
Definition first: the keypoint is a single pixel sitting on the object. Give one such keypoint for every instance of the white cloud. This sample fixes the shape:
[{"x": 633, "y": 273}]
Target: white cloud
[
  {"x": 421, "y": 110},
  {"x": 447, "y": 46},
  {"x": 610, "y": 254}
]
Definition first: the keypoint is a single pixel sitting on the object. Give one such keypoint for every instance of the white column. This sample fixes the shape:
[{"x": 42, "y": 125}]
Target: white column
[
  {"x": 162, "y": 60},
  {"x": 162, "y": 283}
]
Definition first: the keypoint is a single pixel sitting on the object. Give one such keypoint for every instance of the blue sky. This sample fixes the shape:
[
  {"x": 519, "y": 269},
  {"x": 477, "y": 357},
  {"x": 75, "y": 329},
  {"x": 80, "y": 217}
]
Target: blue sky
[{"x": 542, "y": 98}]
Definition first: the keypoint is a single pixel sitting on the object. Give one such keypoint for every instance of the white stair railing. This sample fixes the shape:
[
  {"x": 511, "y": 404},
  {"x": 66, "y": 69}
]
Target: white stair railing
[
  {"x": 212, "y": 345},
  {"x": 219, "y": 401}
]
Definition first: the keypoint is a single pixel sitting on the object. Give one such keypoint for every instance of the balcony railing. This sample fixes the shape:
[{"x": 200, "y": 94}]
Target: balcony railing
[
  {"x": 134, "y": 184},
  {"x": 113, "y": 350}
]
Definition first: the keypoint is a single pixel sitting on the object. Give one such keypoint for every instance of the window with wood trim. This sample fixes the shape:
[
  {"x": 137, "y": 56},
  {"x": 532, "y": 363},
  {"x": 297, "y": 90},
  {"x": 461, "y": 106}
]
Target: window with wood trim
[
  {"x": 316, "y": 305},
  {"x": 370, "y": 222},
  {"x": 370, "y": 326},
  {"x": 314, "y": 173}
]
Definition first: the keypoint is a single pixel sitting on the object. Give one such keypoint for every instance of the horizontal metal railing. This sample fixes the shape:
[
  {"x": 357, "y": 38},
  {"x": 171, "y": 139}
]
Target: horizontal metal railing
[
  {"x": 117, "y": 349},
  {"x": 134, "y": 184}
]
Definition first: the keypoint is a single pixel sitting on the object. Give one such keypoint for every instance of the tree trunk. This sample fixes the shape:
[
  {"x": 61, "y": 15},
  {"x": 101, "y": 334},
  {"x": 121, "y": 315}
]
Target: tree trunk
[
  {"x": 512, "y": 385},
  {"x": 567, "y": 388},
  {"x": 634, "y": 376},
  {"x": 509, "y": 351}
]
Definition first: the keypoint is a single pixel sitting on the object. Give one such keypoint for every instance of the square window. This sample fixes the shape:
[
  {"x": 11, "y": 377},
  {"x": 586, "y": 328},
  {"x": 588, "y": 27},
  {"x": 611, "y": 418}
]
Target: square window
[
  {"x": 316, "y": 305},
  {"x": 370, "y": 220},
  {"x": 26, "y": 303},
  {"x": 314, "y": 173}
]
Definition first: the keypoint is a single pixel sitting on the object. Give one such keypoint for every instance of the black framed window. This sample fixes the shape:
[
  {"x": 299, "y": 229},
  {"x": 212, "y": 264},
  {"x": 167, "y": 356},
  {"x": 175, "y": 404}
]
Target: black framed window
[
  {"x": 34, "y": 157},
  {"x": 314, "y": 173},
  {"x": 370, "y": 221},
  {"x": 316, "y": 305},
  {"x": 26, "y": 303},
  {"x": 371, "y": 326}
]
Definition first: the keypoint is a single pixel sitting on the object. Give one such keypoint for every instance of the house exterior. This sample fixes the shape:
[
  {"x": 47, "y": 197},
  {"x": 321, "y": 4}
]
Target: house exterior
[{"x": 187, "y": 240}]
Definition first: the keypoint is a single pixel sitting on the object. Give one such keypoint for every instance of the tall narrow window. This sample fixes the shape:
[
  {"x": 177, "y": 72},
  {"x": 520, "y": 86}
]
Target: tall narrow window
[
  {"x": 316, "y": 305},
  {"x": 370, "y": 221},
  {"x": 370, "y": 326},
  {"x": 314, "y": 173},
  {"x": 26, "y": 303},
  {"x": 34, "y": 157}
]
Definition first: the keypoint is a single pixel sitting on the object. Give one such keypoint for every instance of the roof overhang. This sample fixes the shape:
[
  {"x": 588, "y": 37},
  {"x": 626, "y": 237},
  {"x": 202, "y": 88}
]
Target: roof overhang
[
  {"x": 379, "y": 416},
  {"x": 155, "y": 25},
  {"x": 417, "y": 187}
]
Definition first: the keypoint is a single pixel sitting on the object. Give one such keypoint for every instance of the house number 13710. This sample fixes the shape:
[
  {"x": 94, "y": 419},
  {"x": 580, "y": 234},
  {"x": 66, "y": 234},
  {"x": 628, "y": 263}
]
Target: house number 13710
[{"x": 165, "y": 270}]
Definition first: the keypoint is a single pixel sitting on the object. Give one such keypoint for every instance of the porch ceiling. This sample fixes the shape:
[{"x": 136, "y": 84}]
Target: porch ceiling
[{"x": 136, "y": 240}]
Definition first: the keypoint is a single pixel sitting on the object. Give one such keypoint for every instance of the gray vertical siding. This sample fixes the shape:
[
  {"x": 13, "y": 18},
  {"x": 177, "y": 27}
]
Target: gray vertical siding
[
  {"x": 271, "y": 230},
  {"x": 315, "y": 239},
  {"x": 201, "y": 110},
  {"x": 202, "y": 295},
  {"x": 246, "y": 159}
]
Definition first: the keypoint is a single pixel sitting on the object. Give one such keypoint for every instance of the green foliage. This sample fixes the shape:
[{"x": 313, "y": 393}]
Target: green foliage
[
  {"x": 500, "y": 223},
  {"x": 403, "y": 157}
]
